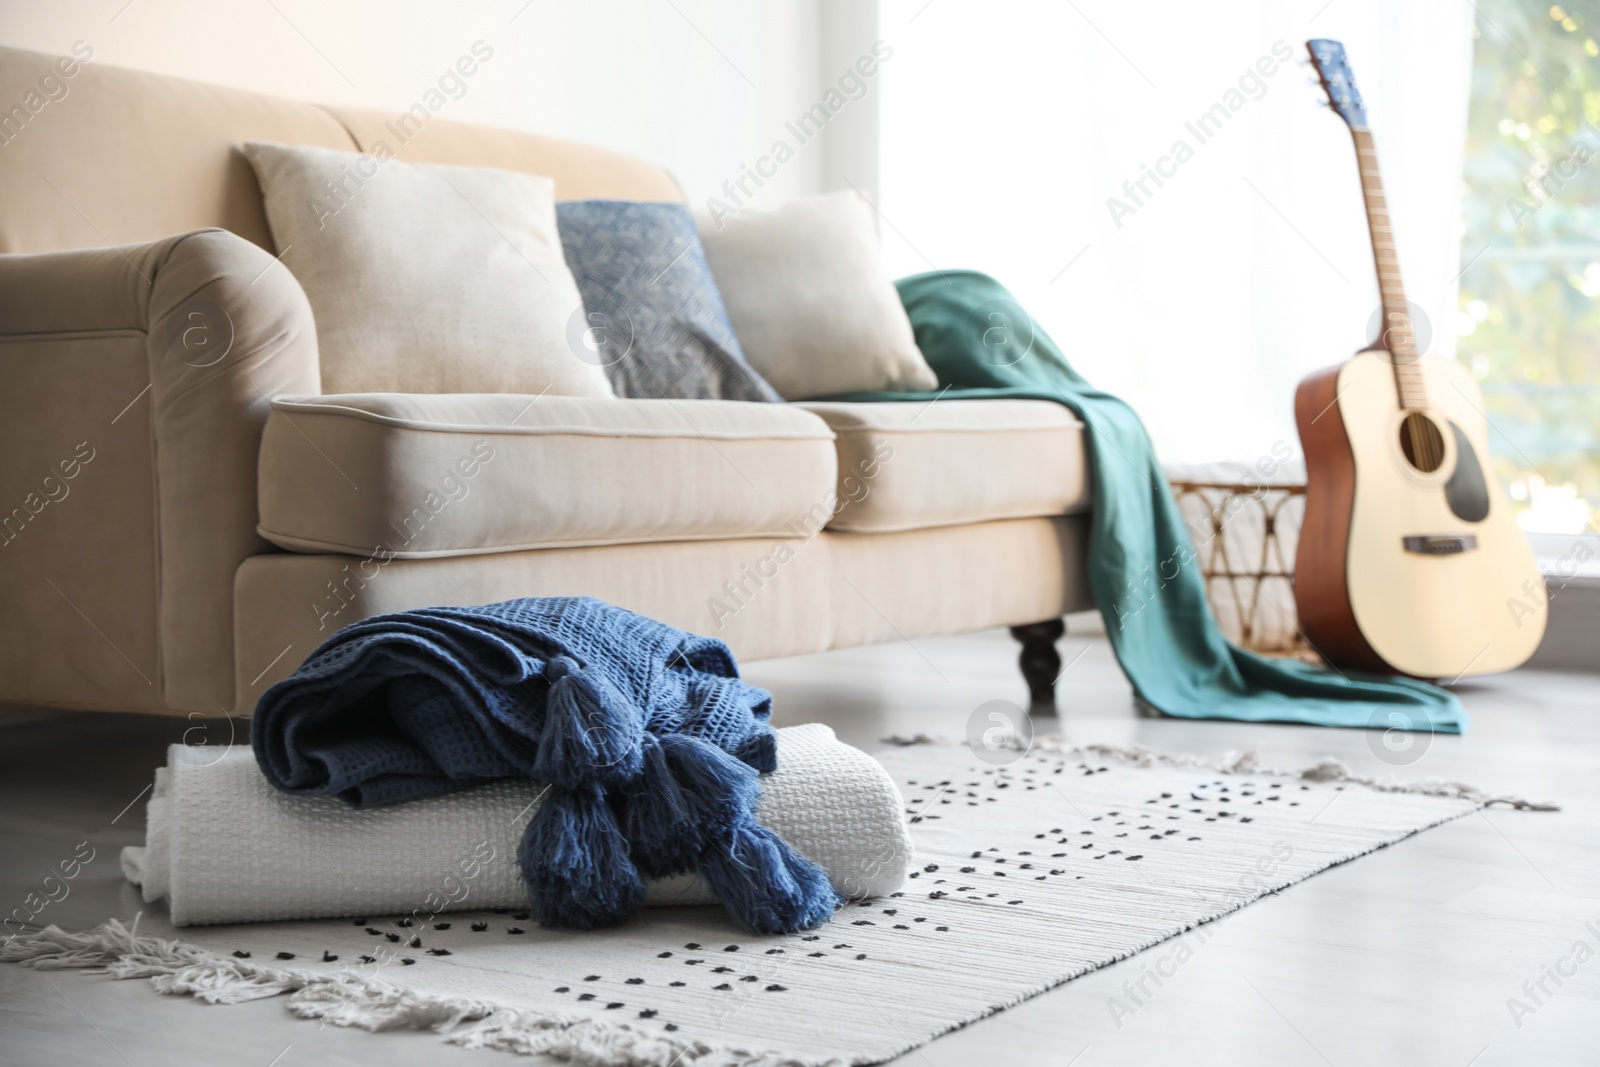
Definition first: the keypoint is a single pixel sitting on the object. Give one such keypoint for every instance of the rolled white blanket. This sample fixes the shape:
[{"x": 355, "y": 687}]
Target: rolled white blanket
[{"x": 222, "y": 846}]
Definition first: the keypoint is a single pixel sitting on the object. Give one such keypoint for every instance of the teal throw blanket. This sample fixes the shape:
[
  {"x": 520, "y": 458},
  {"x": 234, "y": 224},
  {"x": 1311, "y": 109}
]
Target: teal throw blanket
[{"x": 1142, "y": 569}]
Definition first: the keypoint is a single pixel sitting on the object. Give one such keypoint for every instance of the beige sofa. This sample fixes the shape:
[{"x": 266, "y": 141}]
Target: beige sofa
[{"x": 184, "y": 517}]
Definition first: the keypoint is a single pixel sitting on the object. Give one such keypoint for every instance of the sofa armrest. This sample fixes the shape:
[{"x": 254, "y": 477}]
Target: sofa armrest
[{"x": 160, "y": 359}]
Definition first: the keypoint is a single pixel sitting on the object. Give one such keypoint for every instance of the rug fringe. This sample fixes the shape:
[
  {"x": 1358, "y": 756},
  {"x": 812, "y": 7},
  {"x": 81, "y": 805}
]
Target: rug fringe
[
  {"x": 586, "y": 1041},
  {"x": 178, "y": 969},
  {"x": 1327, "y": 769}
]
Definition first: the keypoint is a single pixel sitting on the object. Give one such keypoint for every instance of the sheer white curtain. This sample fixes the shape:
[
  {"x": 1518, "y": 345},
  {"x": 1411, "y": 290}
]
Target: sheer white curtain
[{"x": 1007, "y": 126}]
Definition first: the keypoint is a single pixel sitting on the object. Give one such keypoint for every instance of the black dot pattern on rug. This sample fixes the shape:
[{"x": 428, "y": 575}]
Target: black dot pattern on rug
[{"x": 1135, "y": 830}]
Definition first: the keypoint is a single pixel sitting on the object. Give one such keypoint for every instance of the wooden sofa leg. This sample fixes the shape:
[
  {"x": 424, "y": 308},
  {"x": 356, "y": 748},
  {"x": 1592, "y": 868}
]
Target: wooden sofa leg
[{"x": 1040, "y": 662}]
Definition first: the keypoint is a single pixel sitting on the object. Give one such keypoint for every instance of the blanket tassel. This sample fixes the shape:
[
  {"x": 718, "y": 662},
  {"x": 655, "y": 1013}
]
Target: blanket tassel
[{"x": 576, "y": 863}]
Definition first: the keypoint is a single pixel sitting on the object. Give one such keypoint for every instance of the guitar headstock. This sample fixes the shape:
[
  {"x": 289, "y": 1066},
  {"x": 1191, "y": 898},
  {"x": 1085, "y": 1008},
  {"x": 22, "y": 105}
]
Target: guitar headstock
[{"x": 1333, "y": 70}]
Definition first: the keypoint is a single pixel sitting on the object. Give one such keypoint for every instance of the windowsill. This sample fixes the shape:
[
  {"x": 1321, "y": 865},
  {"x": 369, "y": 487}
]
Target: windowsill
[
  {"x": 1566, "y": 557},
  {"x": 1571, "y": 566}
]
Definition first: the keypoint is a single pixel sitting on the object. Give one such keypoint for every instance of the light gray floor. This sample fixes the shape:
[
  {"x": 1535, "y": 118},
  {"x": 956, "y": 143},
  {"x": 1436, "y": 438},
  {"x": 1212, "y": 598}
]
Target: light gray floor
[{"x": 1408, "y": 956}]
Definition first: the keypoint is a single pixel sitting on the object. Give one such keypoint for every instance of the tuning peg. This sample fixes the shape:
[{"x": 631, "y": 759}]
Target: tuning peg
[
  {"x": 1313, "y": 81},
  {"x": 1322, "y": 103}
]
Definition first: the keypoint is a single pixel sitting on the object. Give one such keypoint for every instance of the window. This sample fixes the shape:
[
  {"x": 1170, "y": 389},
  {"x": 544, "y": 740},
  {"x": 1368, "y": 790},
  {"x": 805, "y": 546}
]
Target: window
[{"x": 1529, "y": 321}]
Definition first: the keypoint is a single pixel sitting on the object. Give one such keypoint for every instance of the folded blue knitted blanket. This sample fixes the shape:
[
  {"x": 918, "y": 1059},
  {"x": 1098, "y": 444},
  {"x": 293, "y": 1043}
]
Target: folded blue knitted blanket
[{"x": 650, "y": 743}]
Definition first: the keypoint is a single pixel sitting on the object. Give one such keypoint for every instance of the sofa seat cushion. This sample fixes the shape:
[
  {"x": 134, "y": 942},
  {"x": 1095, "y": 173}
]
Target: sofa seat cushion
[
  {"x": 905, "y": 466},
  {"x": 399, "y": 475}
]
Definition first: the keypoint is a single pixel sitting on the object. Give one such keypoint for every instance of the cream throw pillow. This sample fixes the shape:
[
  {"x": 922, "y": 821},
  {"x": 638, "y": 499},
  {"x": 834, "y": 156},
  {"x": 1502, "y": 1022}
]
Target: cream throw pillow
[
  {"x": 810, "y": 300},
  {"x": 427, "y": 278}
]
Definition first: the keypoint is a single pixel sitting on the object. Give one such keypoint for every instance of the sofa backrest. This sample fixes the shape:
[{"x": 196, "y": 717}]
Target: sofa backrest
[
  {"x": 92, "y": 155},
  {"x": 580, "y": 171}
]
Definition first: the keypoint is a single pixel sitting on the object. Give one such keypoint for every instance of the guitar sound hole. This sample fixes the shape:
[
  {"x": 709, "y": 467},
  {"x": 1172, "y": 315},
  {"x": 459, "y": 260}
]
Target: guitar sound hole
[{"x": 1422, "y": 442}]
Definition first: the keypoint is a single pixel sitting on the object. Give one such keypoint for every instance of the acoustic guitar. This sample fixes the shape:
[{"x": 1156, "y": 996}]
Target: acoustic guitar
[{"x": 1409, "y": 559}]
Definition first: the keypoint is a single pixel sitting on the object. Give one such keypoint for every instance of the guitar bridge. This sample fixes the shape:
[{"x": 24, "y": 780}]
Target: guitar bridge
[{"x": 1440, "y": 544}]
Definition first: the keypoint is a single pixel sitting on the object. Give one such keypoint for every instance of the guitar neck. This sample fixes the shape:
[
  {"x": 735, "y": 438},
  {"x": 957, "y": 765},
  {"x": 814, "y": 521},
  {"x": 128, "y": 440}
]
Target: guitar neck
[{"x": 1397, "y": 336}]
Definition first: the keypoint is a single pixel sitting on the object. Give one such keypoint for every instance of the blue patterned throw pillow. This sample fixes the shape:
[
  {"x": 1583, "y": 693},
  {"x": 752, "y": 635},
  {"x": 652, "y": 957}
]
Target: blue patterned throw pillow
[{"x": 652, "y": 315}]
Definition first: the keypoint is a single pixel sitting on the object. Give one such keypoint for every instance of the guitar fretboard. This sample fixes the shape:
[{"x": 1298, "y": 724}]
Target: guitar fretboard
[{"x": 1397, "y": 334}]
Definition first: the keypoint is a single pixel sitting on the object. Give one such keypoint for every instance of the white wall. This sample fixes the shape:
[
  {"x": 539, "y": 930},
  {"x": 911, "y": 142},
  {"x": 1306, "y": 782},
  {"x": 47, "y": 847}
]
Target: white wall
[
  {"x": 1008, "y": 125},
  {"x": 991, "y": 139},
  {"x": 699, "y": 86}
]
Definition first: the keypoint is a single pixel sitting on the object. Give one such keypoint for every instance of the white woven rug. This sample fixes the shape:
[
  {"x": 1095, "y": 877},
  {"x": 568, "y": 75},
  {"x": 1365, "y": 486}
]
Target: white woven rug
[{"x": 1026, "y": 876}]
